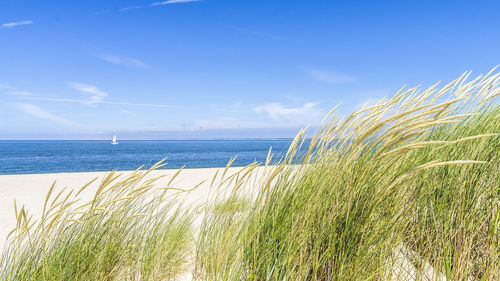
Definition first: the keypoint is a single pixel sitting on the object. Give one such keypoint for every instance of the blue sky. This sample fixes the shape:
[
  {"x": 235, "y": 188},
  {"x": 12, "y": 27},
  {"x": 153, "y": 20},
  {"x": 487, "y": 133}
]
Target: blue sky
[{"x": 217, "y": 68}]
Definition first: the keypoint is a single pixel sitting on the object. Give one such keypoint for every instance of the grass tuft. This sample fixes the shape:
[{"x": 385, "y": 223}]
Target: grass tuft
[
  {"x": 129, "y": 231},
  {"x": 407, "y": 189}
]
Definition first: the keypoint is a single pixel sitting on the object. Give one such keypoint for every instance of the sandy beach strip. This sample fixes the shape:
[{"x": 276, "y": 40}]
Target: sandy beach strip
[{"x": 30, "y": 189}]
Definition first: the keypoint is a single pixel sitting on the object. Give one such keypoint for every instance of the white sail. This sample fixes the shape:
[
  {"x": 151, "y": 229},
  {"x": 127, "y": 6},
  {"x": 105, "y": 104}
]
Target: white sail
[{"x": 114, "y": 140}]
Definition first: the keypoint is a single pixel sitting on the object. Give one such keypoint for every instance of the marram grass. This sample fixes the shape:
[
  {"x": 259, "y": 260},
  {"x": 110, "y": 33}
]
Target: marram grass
[
  {"x": 406, "y": 189},
  {"x": 130, "y": 230}
]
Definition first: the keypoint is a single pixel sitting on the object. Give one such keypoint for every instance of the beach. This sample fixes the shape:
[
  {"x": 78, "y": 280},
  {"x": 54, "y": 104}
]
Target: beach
[
  {"x": 405, "y": 197},
  {"x": 30, "y": 190}
]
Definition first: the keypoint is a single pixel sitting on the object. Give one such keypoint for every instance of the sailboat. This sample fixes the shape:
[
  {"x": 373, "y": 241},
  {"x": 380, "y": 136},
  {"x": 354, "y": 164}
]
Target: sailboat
[{"x": 114, "y": 140}]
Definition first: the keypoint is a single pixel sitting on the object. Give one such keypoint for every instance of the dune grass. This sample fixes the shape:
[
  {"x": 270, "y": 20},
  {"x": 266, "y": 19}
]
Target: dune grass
[
  {"x": 455, "y": 223},
  {"x": 130, "y": 230},
  {"x": 406, "y": 189},
  {"x": 414, "y": 177}
]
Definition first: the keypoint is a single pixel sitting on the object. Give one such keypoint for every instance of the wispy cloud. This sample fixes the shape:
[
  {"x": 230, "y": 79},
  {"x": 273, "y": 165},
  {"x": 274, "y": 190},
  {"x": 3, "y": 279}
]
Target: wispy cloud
[
  {"x": 259, "y": 33},
  {"x": 114, "y": 103},
  {"x": 16, "y": 23},
  {"x": 4, "y": 86},
  {"x": 309, "y": 112},
  {"x": 96, "y": 95},
  {"x": 160, "y": 3},
  {"x": 173, "y": 2},
  {"x": 20, "y": 93},
  {"x": 329, "y": 76},
  {"x": 128, "y": 112},
  {"x": 123, "y": 61},
  {"x": 36, "y": 111},
  {"x": 85, "y": 101}
]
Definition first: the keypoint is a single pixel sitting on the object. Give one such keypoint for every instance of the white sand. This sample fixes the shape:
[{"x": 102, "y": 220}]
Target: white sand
[{"x": 30, "y": 190}]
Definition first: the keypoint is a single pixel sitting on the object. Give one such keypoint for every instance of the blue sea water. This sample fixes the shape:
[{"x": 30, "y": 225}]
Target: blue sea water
[{"x": 30, "y": 157}]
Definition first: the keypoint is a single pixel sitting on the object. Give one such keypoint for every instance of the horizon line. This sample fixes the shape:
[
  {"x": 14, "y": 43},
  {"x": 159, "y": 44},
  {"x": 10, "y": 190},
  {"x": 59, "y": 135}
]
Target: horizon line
[{"x": 166, "y": 139}]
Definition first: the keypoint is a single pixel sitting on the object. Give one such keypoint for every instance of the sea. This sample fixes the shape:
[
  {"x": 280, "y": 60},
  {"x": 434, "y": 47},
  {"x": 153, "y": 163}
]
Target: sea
[{"x": 36, "y": 157}]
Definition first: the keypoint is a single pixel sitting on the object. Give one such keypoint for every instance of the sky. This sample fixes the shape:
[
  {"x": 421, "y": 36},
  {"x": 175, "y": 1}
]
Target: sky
[{"x": 220, "y": 68}]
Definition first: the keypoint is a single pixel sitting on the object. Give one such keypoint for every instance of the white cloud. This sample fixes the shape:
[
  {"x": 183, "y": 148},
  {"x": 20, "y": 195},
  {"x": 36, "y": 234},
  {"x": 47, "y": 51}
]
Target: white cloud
[
  {"x": 128, "y": 112},
  {"x": 124, "y": 61},
  {"x": 329, "y": 76},
  {"x": 4, "y": 86},
  {"x": 173, "y": 2},
  {"x": 16, "y": 23},
  {"x": 96, "y": 95},
  {"x": 36, "y": 111},
  {"x": 21, "y": 93},
  {"x": 307, "y": 113}
]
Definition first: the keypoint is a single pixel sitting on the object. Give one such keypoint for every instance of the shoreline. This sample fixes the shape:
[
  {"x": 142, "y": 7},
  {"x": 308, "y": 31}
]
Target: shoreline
[
  {"x": 201, "y": 139},
  {"x": 117, "y": 171}
]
